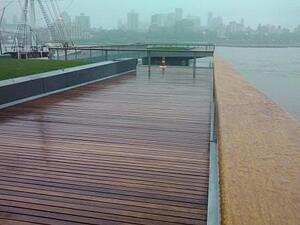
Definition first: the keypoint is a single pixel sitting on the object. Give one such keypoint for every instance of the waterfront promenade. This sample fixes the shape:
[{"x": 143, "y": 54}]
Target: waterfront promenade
[{"x": 128, "y": 150}]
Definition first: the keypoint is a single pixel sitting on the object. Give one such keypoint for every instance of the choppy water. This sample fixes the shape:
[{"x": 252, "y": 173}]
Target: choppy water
[{"x": 274, "y": 71}]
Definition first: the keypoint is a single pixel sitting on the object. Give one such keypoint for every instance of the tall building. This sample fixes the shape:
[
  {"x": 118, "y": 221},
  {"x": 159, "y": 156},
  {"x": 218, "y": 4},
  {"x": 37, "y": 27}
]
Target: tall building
[
  {"x": 234, "y": 26},
  {"x": 178, "y": 14},
  {"x": 170, "y": 20},
  {"x": 209, "y": 19},
  {"x": 83, "y": 22},
  {"x": 157, "y": 20},
  {"x": 166, "y": 19},
  {"x": 195, "y": 22},
  {"x": 214, "y": 23},
  {"x": 132, "y": 21}
]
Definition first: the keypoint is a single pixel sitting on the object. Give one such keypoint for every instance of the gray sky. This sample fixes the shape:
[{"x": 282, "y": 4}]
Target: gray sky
[{"x": 107, "y": 13}]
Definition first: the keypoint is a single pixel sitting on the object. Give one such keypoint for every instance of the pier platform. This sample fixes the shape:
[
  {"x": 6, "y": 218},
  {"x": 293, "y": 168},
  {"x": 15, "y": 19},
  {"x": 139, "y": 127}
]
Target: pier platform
[{"x": 128, "y": 150}]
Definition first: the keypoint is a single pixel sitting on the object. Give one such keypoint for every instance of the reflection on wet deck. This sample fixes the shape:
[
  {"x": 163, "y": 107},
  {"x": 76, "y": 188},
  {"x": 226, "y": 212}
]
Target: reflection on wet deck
[{"x": 130, "y": 150}]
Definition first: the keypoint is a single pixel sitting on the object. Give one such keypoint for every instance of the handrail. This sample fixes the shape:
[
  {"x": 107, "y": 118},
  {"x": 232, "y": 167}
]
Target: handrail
[
  {"x": 214, "y": 208},
  {"x": 136, "y": 48}
]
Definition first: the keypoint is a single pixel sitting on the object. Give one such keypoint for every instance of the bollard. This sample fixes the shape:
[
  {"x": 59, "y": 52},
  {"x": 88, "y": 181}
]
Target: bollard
[
  {"x": 66, "y": 54},
  {"x": 149, "y": 63},
  {"x": 106, "y": 55},
  {"x": 194, "y": 66}
]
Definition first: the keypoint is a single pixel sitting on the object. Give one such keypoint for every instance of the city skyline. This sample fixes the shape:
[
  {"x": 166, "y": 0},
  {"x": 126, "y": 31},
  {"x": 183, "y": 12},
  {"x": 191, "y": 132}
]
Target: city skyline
[
  {"x": 105, "y": 14},
  {"x": 210, "y": 20},
  {"x": 283, "y": 13},
  {"x": 173, "y": 24}
]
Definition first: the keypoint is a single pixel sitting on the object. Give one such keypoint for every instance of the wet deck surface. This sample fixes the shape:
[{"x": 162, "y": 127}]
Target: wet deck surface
[{"x": 130, "y": 150}]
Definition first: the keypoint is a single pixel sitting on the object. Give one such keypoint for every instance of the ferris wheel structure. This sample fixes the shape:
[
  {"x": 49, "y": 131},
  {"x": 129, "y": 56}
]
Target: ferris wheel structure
[{"x": 26, "y": 35}]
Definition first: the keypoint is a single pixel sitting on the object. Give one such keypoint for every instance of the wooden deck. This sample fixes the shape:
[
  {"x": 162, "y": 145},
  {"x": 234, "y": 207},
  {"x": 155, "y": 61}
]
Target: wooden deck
[{"x": 130, "y": 150}]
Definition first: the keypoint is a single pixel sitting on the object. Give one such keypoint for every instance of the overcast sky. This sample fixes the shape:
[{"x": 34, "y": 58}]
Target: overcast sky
[{"x": 107, "y": 13}]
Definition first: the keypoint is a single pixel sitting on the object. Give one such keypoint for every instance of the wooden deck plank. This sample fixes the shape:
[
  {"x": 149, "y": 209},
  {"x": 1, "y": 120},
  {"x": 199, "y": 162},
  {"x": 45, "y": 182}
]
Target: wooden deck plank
[{"x": 130, "y": 150}]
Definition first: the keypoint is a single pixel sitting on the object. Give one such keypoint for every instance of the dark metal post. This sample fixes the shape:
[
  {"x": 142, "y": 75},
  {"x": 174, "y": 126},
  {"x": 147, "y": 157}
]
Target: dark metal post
[
  {"x": 76, "y": 54},
  {"x": 106, "y": 55},
  {"x": 91, "y": 53},
  {"x": 57, "y": 54},
  {"x": 149, "y": 62},
  {"x": 214, "y": 210},
  {"x": 66, "y": 54},
  {"x": 214, "y": 100},
  {"x": 194, "y": 65}
]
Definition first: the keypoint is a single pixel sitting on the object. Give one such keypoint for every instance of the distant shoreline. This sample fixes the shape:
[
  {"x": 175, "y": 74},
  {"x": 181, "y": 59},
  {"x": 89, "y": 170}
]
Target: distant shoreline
[
  {"x": 226, "y": 45},
  {"x": 259, "y": 45}
]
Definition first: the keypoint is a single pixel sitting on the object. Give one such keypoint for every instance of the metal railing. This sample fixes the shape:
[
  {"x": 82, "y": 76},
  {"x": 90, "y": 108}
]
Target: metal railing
[
  {"x": 148, "y": 51},
  {"x": 214, "y": 206},
  {"x": 198, "y": 46},
  {"x": 89, "y": 52}
]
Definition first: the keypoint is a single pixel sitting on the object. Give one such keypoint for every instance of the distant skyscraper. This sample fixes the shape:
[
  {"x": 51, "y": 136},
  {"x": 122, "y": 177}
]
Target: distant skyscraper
[
  {"x": 167, "y": 20},
  {"x": 214, "y": 23},
  {"x": 209, "y": 19},
  {"x": 178, "y": 14},
  {"x": 132, "y": 21},
  {"x": 195, "y": 22},
  {"x": 83, "y": 22},
  {"x": 170, "y": 19},
  {"x": 157, "y": 20}
]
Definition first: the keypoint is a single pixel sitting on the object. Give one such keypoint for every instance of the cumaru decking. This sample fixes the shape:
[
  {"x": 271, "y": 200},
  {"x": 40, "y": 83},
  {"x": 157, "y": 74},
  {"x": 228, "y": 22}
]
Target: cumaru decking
[{"x": 129, "y": 150}]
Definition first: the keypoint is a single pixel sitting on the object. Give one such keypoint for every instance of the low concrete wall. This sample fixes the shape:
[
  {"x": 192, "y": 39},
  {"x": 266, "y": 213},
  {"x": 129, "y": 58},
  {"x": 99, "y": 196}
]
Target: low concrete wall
[
  {"x": 30, "y": 87},
  {"x": 259, "y": 148}
]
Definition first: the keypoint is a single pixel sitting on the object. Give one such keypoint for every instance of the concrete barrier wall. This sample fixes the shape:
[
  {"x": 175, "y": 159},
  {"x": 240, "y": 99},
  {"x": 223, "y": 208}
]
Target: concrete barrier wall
[
  {"x": 259, "y": 148},
  {"x": 14, "y": 90}
]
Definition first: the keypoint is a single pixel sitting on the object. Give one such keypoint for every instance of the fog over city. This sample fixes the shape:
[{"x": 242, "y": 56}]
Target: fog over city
[
  {"x": 108, "y": 14},
  {"x": 268, "y": 22},
  {"x": 150, "y": 112}
]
